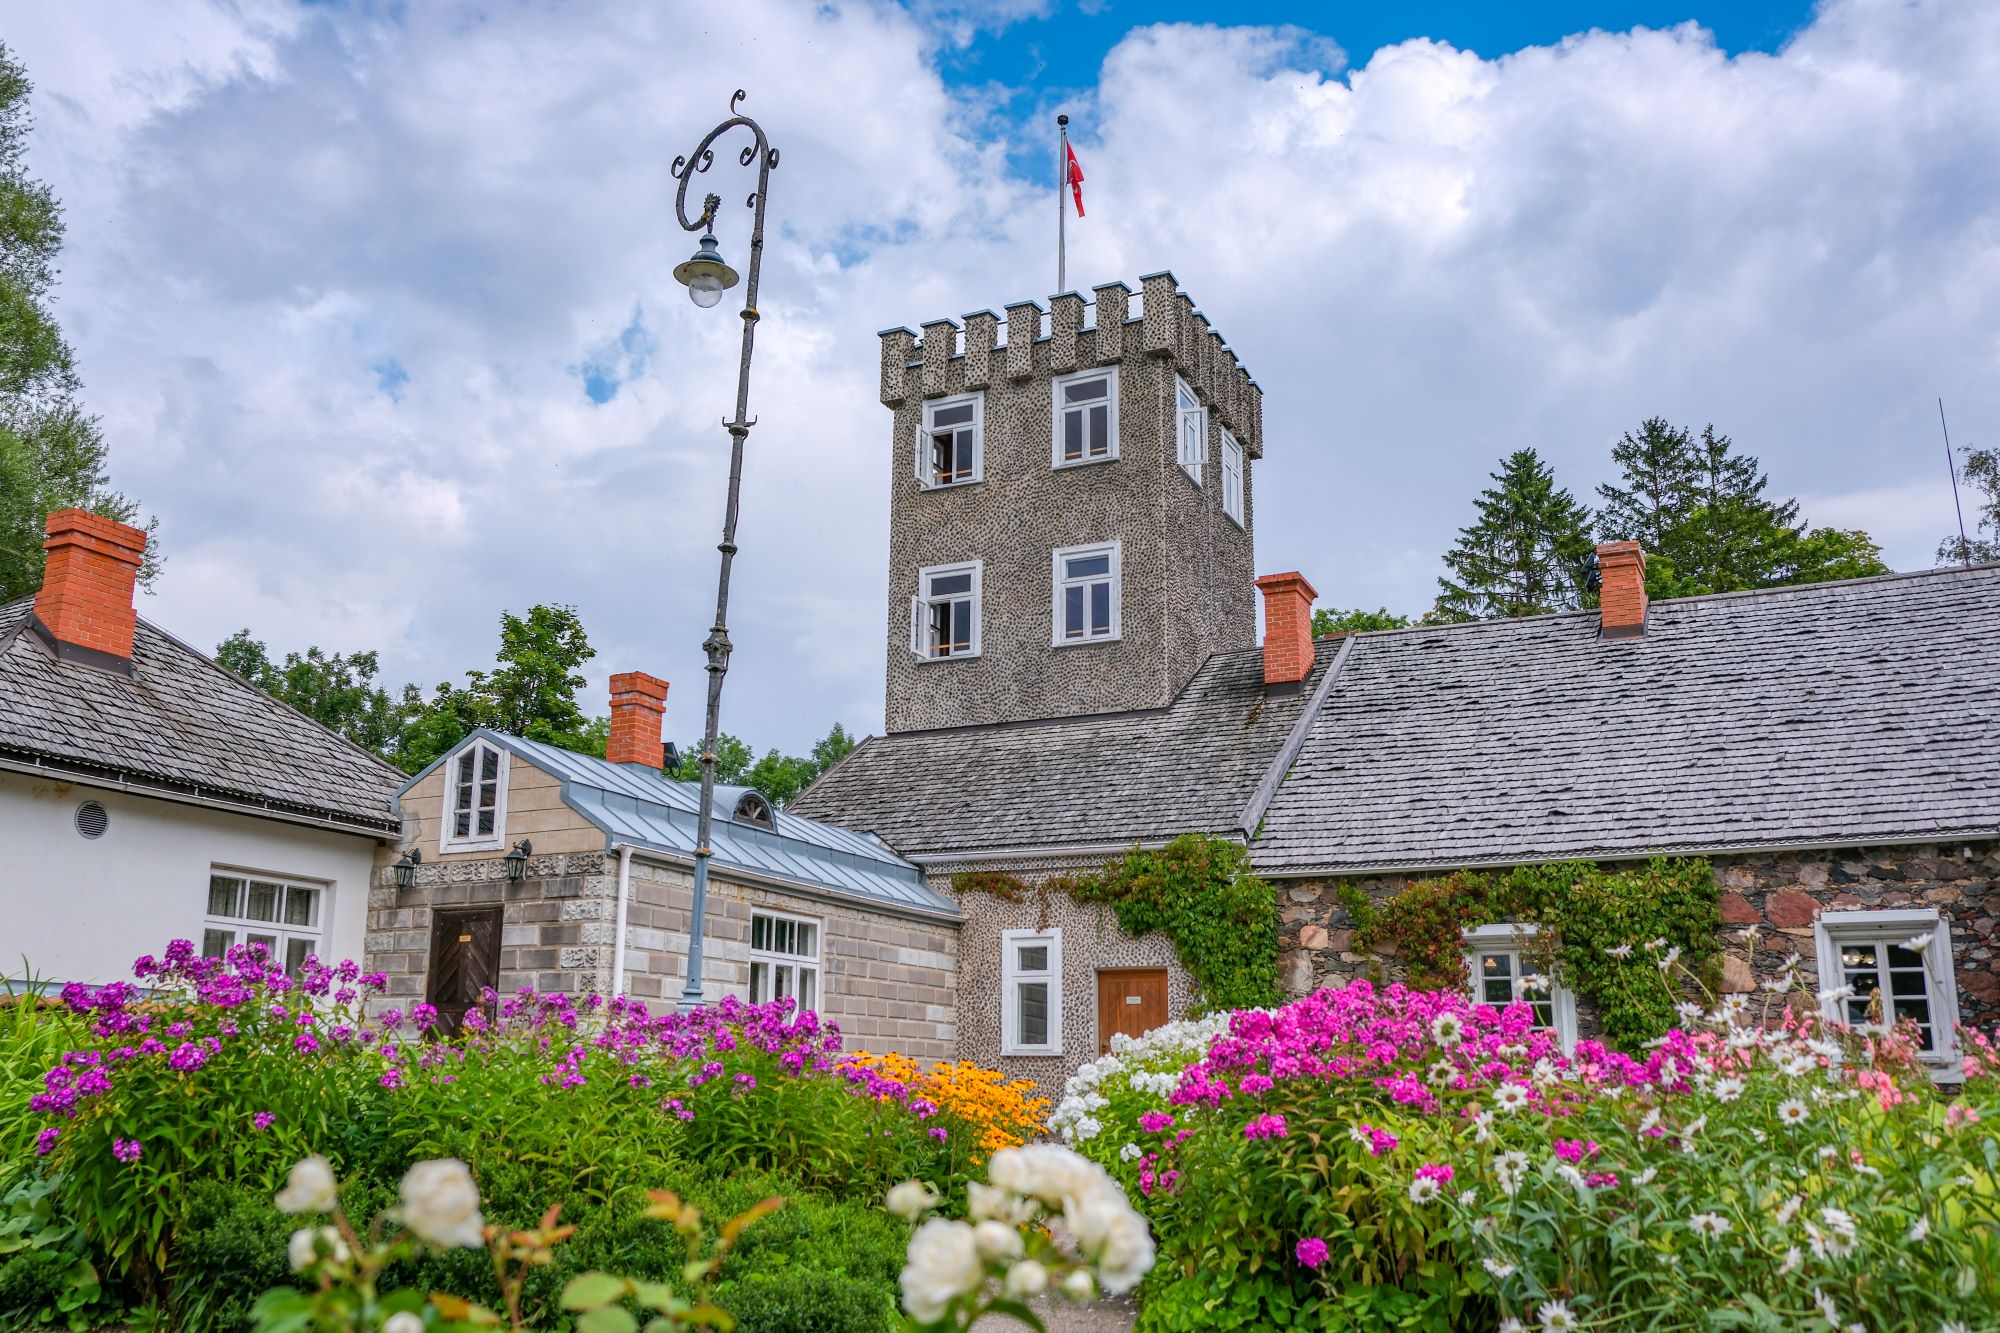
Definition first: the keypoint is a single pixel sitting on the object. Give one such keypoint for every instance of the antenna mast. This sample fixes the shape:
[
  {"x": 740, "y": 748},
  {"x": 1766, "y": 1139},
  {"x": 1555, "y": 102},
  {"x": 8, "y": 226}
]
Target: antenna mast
[{"x": 1964, "y": 546}]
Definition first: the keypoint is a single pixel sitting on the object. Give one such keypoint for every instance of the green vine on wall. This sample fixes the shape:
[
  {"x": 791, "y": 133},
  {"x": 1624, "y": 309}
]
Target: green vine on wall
[
  {"x": 1582, "y": 910},
  {"x": 1198, "y": 891}
]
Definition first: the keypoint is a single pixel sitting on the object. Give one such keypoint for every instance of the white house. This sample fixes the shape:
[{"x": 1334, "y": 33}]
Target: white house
[{"x": 147, "y": 794}]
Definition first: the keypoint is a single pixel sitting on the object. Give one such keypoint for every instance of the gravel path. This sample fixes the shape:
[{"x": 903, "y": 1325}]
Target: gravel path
[{"x": 1061, "y": 1316}]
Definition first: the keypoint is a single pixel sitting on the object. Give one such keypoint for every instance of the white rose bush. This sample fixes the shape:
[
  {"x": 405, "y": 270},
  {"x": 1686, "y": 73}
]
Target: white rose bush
[
  {"x": 439, "y": 1210},
  {"x": 1045, "y": 1219}
]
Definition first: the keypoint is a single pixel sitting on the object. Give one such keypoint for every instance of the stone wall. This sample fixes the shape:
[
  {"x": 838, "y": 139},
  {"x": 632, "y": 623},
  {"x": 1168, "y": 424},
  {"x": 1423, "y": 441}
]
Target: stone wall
[
  {"x": 1091, "y": 940},
  {"x": 1780, "y": 892},
  {"x": 1185, "y": 589}
]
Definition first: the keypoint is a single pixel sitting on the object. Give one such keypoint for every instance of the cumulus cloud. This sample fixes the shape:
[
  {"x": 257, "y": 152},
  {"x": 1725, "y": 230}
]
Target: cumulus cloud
[{"x": 377, "y": 305}]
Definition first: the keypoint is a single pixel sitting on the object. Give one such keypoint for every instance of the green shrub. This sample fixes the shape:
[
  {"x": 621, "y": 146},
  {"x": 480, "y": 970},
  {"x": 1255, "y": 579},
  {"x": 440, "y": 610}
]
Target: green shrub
[
  {"x": 230, "y": 1249},
  {"x": 807, "y": 1303}
]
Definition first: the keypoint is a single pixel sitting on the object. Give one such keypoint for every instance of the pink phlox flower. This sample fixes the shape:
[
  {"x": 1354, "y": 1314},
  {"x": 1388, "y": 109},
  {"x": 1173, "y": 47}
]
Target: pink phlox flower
[
  {"x": 1155, "y": 1121},
  {"x": 263, "y": 1119},
  {"x": 1310, "y": 1252},
  {"x": 1271, "y": 1126},
  {"x": 1437, "y": 1171},
  {"x": 125, "y": 1150}
]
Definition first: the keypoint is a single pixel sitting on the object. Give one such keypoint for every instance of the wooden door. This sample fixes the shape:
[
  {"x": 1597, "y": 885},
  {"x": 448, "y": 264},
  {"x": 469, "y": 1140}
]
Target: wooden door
[
  {"x": 465, "y": 960},
  {"x": 1131, "y": 1000}
]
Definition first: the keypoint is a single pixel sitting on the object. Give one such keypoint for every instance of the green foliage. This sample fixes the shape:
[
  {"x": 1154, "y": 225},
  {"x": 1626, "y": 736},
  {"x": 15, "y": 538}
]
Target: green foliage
[
  {"x": 1979, "y": 480},
  {"x": 781, "y": 777},
  {"x": 1582, "y": 910},
  {"x": 337, "y": 691},
  {"x": 1200, "y": 893},
  {"x": 531, "y": 693},
  {"x": 1329, "y": 621},
  {"x": 1528, "y": 552},
  {"x": 1698, "y": 508},
  {"x": 51, "y": 451}
]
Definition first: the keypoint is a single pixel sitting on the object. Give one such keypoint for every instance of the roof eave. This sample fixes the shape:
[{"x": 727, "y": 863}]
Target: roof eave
[{"x": 188, "y": 793}]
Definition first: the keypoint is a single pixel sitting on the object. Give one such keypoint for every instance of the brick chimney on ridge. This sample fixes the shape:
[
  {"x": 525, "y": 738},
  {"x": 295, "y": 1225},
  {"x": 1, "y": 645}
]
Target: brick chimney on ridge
[
  {"x": 1621, "y": 590},
  {"x": 84, "y": 608},
  {"x": 1288, "y": 632},
  {"x": 637, "y": 701}
]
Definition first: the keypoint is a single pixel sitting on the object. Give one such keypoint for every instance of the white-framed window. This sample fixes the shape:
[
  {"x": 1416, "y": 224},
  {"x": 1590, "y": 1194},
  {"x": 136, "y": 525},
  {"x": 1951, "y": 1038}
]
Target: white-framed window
[
  {"x": 1500, "y": 976},
  {"x": 951, "y": 450},
  {"x": 1232, "y": 478},
  {"x": 1031, "y": 992},
  {"x": 1086, "y": 418},
  {"x": 944, "y": 615},
  {"x": 246, "y": 907},
  {"x": 784, "y": 958},
  {"x": 475, "y": 799},
  {"x": 1190, "y": 430},
  {"x": 1086, "y": 593},
  {"x": 1902, "y": 955}
]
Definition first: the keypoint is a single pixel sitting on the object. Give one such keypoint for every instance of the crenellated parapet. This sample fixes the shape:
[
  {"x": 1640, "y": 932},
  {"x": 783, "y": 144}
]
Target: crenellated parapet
[{"x": 1072, "y": 333}]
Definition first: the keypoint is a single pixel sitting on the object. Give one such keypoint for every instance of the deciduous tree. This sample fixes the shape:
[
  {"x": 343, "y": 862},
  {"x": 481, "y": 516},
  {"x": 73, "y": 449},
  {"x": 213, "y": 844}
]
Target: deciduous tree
[{"x": 1979, "y": 478}]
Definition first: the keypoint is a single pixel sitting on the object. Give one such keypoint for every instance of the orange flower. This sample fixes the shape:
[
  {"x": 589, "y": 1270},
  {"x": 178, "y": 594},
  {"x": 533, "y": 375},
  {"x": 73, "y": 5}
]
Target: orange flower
[{"x": 1005, "y": 1113}]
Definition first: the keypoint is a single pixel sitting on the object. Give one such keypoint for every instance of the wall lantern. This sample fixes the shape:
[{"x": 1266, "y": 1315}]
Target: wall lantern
[
  {"x": 406, "y": 869},
  {"x": 517, "y": 860}
]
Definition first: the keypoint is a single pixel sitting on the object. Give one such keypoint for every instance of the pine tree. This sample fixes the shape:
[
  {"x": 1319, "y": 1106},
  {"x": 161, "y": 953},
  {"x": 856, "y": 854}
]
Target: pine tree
[
  {"x": 1660, "y": 474},
  {"x": 1527, "y": 554},
  {"x": 1735, "y": 538},
  {"x": 51, "y": 451}
]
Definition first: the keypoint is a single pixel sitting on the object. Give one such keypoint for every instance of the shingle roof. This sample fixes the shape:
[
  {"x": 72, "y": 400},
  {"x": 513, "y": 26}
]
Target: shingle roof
[
  {"x": 644, "y": 807},
  {"x": 185, "y": 726},
  {"x": 1098, "y": 780},
  {"x": 1838, "y": 713}
]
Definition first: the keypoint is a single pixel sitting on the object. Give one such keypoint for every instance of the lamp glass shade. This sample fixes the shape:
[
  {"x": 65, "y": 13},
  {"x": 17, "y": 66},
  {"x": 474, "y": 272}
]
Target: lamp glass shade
[{"x": 705, "y": 275}]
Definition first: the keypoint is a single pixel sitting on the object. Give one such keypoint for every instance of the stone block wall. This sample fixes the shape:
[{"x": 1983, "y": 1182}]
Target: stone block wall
[
  {"x": 1782, "y": 893},
  {"x": 1091, "y": 940}
]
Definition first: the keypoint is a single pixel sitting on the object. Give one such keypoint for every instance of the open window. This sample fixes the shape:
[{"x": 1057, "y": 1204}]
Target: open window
[
  {"x": 1086, "y": 593},
  {"x": 1086, "y": 417},
  {"x": 1190, "y": 430},
  {"x": 944, "y": 615},
  {"x": 1232, "y": 478},
  {"x": 1495, "y": 959},
  {"x": 950, "y": 452},
  {"x": 1891, "y": 964},
  {"x": 1031, "y": 992}
]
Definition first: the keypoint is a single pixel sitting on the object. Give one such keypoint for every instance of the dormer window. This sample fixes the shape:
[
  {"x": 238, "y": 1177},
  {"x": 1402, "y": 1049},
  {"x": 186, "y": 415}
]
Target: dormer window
[
  {"x": 752, "y": 808},
  {"x": 1086, "y": 593},
  {"x": 944, "y": 615},
  {"x": 475, "y": 798},
  {"x": 1086, "y": 418},
  {"x": 949, "y": 452},
  {"x": 1190, "y": 430}
]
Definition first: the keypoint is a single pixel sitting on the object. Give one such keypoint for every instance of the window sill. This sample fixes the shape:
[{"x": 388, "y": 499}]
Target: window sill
[
  {"x": 492, "y": 844},
  {"x": 1192, "y": 475},
  {"x": 1085, "y": 643},
  {"x": 1013, "y": 1052},
  {"x": 1065, "y": 464},
  {"x": 927, "y": 488},
  {"x": 1241, "y": 526},
  {"x": 927, "y": 660}
]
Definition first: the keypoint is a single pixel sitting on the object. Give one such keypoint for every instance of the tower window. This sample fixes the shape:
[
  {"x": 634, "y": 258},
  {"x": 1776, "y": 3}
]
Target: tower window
[
  {"x": 950, "y": 448},
  {"x": 1086, "y": 593},
  {"x": 1086, "y": 417},
  {"x": 1190, "y": 430},
  {"x": 1232, "y": 478},
  {"x": 944, "y": 615}
]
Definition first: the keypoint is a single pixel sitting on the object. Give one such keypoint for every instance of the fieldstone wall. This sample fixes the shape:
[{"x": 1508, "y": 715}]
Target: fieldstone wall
[
  {"x": 1091, "y": 940},
  {"x": 1782, "y": 893},
  {"x": 1186, "y": 587}
]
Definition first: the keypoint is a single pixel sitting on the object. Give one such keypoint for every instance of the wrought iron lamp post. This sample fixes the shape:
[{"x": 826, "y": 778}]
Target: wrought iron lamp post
[{"x": 707, "y": 277}]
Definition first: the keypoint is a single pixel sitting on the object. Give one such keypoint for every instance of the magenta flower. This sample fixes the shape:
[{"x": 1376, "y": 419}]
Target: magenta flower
[
  {"x": 1311, "y": 1252},
  {"x": 125, "y": 1150},
  {"x": 939, "y": 1133},
  {"x": 1153, "y": 1122},
  {"x": 45, "y": 1142},
  {"x": 263, "y": 1119},
  {"x": 1435, "y": 1171},
  {"x": 1266, "y": 1127}
]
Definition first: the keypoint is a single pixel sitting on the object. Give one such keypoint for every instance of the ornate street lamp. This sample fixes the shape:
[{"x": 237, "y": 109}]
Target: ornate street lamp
[
  {"x": 707, "y": 276},
  {"x": 406, "y": 868},
  {"x": 517, "y": 860}
]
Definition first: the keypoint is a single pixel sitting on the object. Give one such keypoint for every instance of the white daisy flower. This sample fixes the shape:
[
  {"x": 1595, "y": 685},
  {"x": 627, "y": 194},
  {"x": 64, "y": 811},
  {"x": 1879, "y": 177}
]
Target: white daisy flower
[
  {"x": 1656, "y": 944},
  {"x": 1792, "y": 1111},
  {"x": 1423, "y": 1190},
  {"x": 1919, "y": 943},
  {"x": 1620, "y": 951},
  {"x": 1555, "y": 1317},
  {"x": 1836, "y": 995},
  {"x": 1689, "y": 1011},
  {"x": 1498, "y": 1269},
  {"x": 1482, "y": 1126},
  {"x": 1510, "y": 1097},
  {"x": 1709, "y": 1226},
  {"x": 1646, "y": 1177},
  {"x": 1447, "y": 1030},
  {"x": 1792, "y": 1261},
  {"x": 1789, "y": 1209},
  {"x": 1511, "y": 1325},
  {"x": 1466, "y": 1198},
  {"x": 1728, "y": 1089},
  {"x": 1920, "y": 1228},
  {"x": 1670, "y": 957},
  {"x": 1508, "y": 1168},
  {"x": 1828, "y": 1309},
  {"x": 1441, "y": 1073}
]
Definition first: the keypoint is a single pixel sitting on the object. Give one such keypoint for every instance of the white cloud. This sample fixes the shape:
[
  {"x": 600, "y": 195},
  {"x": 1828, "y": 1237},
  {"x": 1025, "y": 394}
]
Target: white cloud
[{"x": 339, "y": 280}]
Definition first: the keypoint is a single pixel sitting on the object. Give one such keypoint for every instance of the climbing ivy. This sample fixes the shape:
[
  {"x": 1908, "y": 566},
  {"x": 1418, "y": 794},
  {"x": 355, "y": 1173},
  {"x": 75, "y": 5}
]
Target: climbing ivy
[
  {"x": 1197, "y": 891},
  {"x": 1583, "y": 911}
]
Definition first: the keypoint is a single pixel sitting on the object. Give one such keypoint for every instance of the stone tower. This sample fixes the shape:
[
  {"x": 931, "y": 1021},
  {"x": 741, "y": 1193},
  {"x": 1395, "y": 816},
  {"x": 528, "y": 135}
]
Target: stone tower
[{"x": 1070, "y": 508}]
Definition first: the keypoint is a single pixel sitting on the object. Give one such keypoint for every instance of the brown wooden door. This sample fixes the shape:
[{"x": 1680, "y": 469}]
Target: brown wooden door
[
  {"x": 1131, "y": 1000},
  {"x": 465, "y": 960}
]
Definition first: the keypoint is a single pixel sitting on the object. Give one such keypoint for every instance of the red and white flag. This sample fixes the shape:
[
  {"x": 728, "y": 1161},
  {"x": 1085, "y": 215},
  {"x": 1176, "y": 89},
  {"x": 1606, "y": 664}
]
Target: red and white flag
[{"x": 1075, "y": 173}]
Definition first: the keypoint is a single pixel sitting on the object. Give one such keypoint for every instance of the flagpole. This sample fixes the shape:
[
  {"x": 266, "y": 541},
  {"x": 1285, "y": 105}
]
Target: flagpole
[{"x": 1062, "y": 209}]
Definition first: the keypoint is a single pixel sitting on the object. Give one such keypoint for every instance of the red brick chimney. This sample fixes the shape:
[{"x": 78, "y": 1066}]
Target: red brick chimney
[
  {"x": 84, "y": 607},
  {"x": 637, "y": 700},
  {"x": 1288, "y": 627},
  {"x": 1621, "y": 590}
]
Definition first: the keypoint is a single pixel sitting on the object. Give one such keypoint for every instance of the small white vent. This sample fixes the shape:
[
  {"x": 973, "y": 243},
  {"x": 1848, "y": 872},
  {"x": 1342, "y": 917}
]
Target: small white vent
[{"x": 92, "y": 820}]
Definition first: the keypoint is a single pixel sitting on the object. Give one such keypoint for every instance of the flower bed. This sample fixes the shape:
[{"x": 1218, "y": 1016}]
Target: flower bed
[
  {"x": 1366, "y": 1157},
  {"x": 169, "y": 1121}
]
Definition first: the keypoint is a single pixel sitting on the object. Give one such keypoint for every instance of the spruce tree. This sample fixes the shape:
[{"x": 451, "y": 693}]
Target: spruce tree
[
  {"x": 51, "y": 450},
  {"x": 1527, "y": 554},
  {"x": 1660, "y": 472}
]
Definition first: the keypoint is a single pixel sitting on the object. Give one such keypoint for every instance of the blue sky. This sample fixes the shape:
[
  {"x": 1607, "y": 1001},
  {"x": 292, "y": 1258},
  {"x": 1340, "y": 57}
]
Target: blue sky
[{"x": 374, "y": 299}]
